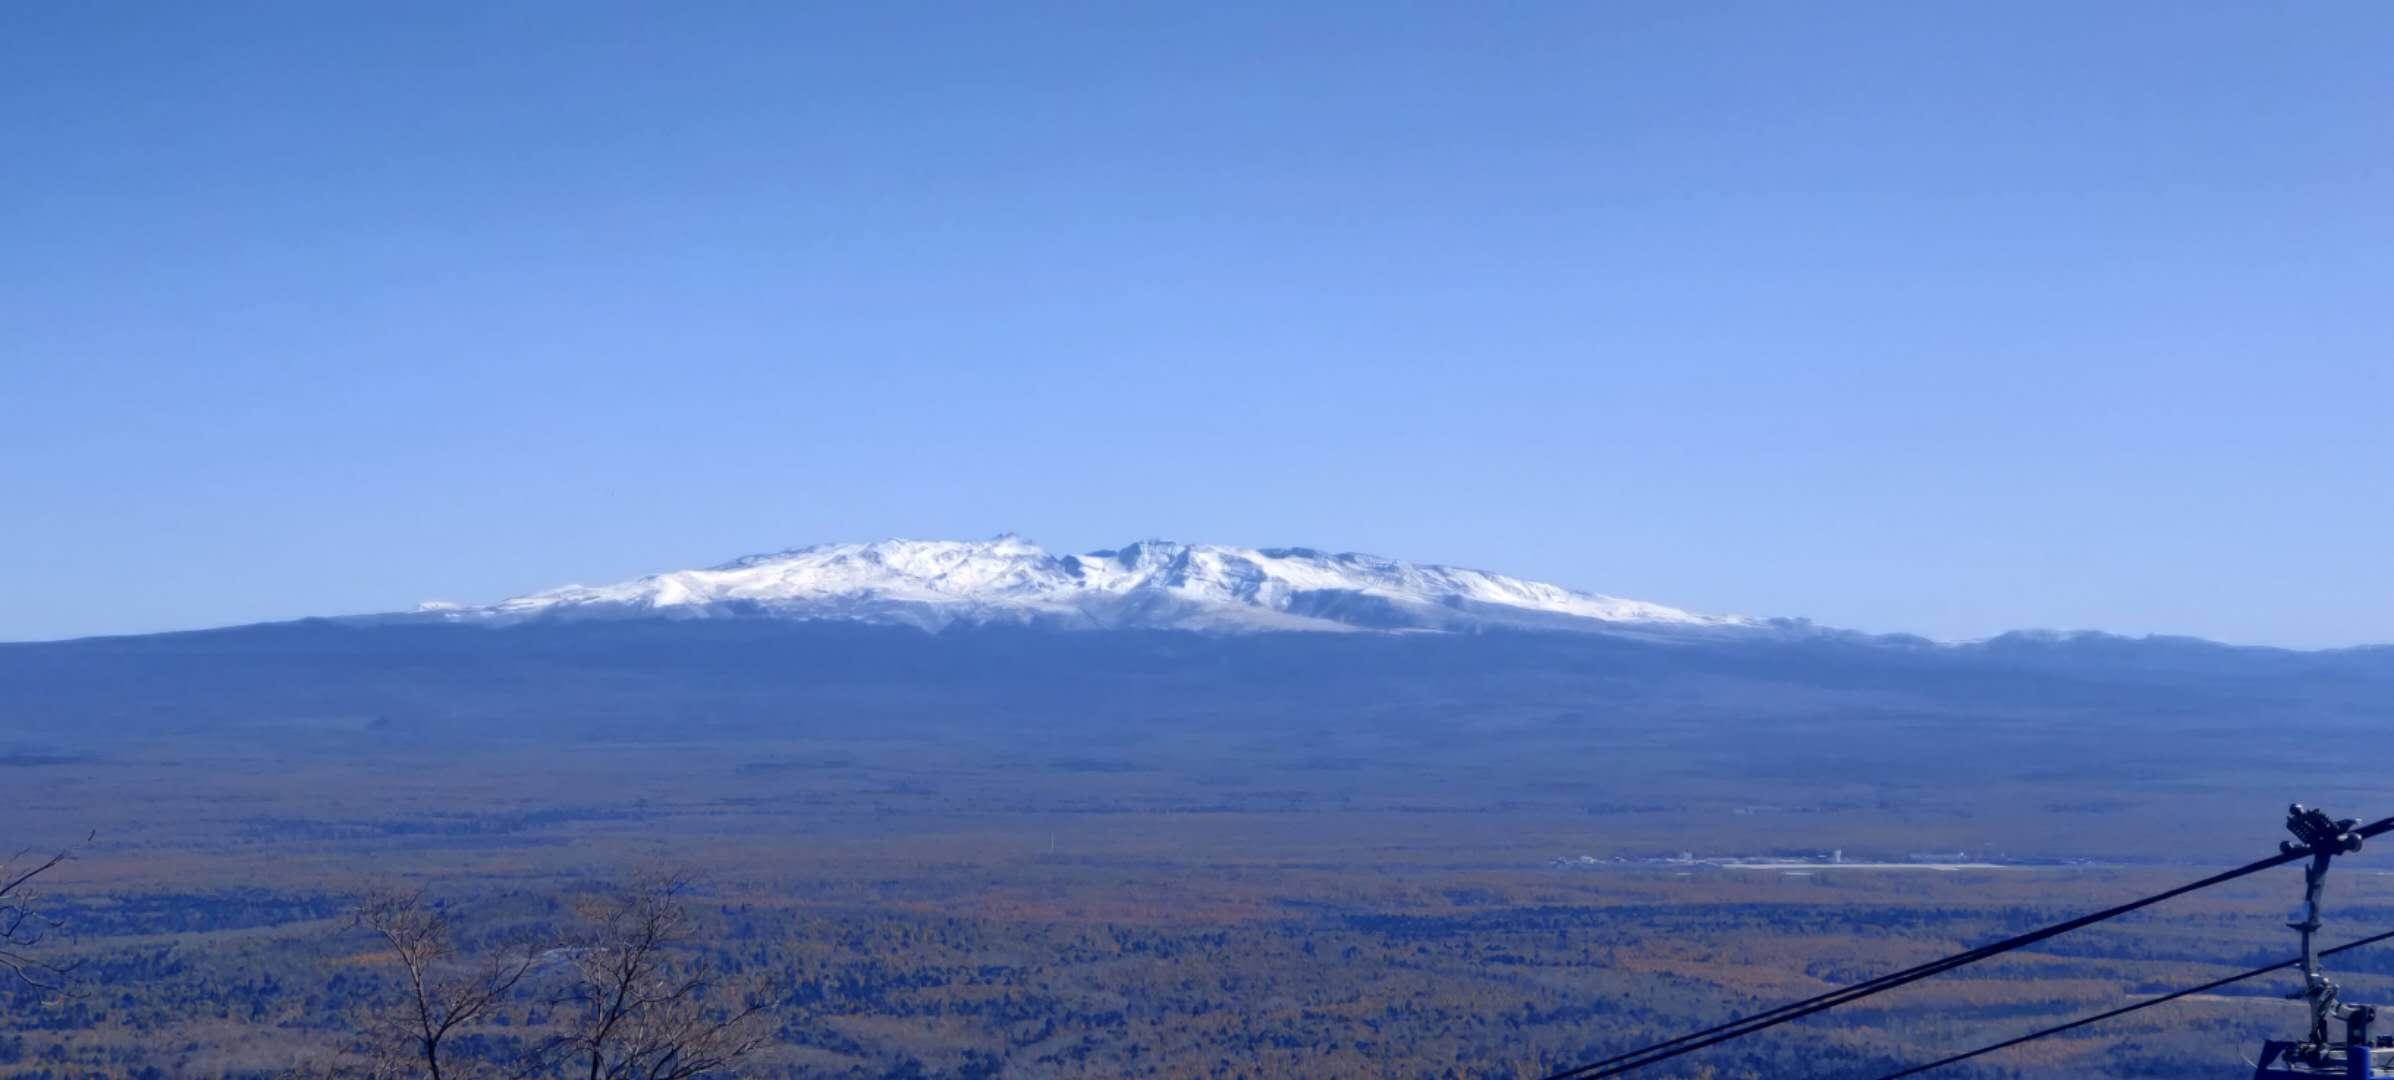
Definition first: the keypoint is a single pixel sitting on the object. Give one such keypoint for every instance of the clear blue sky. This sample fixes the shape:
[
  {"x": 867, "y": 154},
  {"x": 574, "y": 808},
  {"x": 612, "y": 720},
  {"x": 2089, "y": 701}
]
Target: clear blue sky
[{"x": 1935, "y": 317}]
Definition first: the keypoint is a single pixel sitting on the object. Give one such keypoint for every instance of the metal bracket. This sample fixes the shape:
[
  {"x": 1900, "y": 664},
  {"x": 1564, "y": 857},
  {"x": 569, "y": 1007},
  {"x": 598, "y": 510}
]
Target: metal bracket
[{"x": 2324, "y": 838}]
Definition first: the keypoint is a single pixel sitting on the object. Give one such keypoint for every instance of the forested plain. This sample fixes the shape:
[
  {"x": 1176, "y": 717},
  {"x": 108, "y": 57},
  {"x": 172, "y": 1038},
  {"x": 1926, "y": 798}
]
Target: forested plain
[{"x": 1208, "y": 860}]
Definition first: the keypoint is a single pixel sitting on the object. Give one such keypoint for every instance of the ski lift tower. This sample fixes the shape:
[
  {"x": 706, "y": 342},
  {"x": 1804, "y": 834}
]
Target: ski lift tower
[{"x": 2316, "y": 1056}]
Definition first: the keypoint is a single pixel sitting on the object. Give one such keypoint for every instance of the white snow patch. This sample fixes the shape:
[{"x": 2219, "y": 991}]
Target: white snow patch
[{"x": 1153, "y": 583}]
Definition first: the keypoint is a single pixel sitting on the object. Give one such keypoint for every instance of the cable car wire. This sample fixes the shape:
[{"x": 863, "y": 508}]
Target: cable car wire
[
  {"x": 2124, "y": 1010},
  {"x": 1748, "y": 1025}
]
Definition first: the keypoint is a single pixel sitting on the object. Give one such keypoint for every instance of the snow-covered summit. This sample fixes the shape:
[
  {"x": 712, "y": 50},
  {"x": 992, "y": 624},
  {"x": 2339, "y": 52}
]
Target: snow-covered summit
[{"x": 1153, "y": 583}]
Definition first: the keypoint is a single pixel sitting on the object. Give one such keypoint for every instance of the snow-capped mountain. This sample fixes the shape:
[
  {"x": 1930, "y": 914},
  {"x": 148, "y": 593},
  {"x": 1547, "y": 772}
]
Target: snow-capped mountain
[{"x": 1151, "y": 584}]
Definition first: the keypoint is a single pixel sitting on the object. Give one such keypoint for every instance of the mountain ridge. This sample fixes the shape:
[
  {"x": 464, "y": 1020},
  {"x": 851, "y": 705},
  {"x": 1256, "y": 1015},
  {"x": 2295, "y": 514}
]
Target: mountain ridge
[
  {"x": 996, "y": 632},
  {"x": 1167, "y": 585},
  {"x": 1149, "y": 584}
]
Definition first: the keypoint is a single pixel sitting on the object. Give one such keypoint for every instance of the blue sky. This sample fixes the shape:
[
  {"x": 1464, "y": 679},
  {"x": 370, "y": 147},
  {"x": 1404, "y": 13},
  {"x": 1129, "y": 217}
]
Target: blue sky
[{"x": 1933, "y": 317}]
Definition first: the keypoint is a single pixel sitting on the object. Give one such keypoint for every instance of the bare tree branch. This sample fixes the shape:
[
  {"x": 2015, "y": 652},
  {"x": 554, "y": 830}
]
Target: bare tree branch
[
  {"x": 649, "y": 1010},
  {"x": 24, "y": 926},
  {"x": 442, "y": 992},
  {"x": 640, "y": 1003}
]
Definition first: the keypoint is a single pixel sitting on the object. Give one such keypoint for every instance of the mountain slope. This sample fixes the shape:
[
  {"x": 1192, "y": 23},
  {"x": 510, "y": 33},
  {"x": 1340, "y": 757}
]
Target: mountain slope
[
  {"x": 1153, "y": 584},
  {"x": 826, "y": 639}
]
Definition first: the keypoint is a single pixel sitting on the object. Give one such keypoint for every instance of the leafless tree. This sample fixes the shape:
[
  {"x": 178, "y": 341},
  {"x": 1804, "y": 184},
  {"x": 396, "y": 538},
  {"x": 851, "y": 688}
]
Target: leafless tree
[
  {"x": 647, "y": 1010},
  {"x": 24, "y": 927},
  {"x": 443, "y": 992}
]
